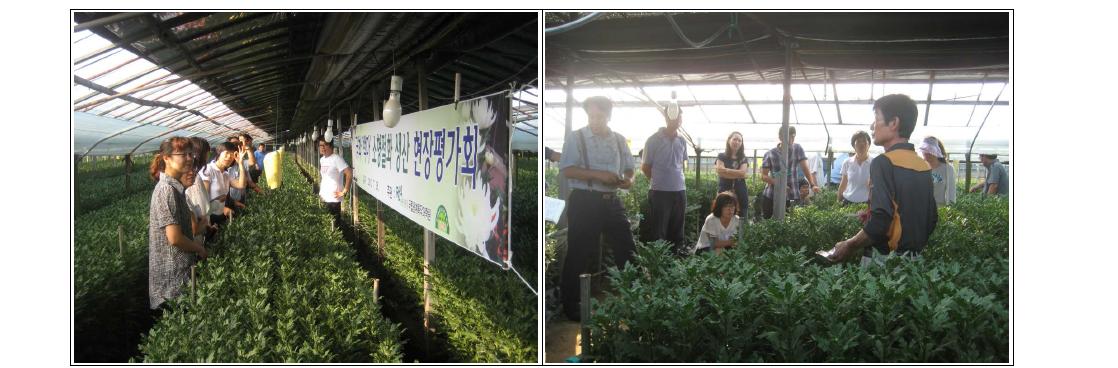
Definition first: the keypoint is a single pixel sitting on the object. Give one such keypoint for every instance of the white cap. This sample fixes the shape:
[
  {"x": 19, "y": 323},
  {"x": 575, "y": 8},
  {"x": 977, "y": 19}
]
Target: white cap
[{"x": 931, "y": 146}]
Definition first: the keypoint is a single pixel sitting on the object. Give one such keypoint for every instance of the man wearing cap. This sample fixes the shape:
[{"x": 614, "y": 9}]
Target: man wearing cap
[
  {"x": 902, "y": 210},
  {"x": 596, "y": 162},
  {"x": 997, "y": 179},
  {"x": 664, "y": 154},
  {"x": 943, "y": 174}
]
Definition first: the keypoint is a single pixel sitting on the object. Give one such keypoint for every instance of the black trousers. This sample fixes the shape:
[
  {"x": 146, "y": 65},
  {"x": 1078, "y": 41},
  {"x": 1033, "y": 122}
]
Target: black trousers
[
  {"x": 335, "y": 208},
  {"x": 666, "y": 213},
  {"x": 767, "y": 206},
  {"x": 590, "y": 216}
]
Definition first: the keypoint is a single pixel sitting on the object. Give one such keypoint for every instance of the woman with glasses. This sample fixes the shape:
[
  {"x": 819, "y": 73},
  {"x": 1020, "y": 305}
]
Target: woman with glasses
[{"x": 171, "y": 245}]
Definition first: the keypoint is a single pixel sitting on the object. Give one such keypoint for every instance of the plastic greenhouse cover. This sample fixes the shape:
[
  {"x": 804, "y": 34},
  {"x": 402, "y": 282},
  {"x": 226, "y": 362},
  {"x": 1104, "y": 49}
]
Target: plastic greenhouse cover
[{"x": 90, "y": 128}]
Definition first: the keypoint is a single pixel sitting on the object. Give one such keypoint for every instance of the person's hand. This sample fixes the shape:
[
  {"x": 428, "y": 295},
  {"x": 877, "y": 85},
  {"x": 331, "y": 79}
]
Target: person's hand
[
  {"x": 339, "y": 194},
  {"x": 839, "y": 252},
  {"x": 864, "y": 216},
  {"x": 625, "y": 183},
  {"x": 202, "y": 253},
  {"x": 228, "y": 212},
  {"x": 607, "y": 178},
  {"x": 257, "y": 190},
  {"x": 815, "y": 188}
]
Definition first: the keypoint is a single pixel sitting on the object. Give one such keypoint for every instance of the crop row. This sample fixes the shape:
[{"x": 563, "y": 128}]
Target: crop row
[
  {"x": 282, "y": 287},
  {"x": 766, "y": 301},
  {"x": 487, "y": 314},
  {"x": 110, "y": 280}
]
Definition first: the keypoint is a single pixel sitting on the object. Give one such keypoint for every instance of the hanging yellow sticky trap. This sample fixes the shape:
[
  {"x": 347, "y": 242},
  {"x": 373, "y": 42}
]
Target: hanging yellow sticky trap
[{"x": 273, "y": 168}]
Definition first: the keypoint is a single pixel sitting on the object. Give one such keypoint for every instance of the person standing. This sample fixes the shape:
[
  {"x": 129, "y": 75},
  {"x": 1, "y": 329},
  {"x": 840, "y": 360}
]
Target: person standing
[
  {"x": 261, "y": 151},
  {"x": 854, "y": 185},
  {"x": 597, "y": 162},
  {"x": 834, "y": 178},
  {"x": 171, "y": 245},
  {"x": 732, "y": 168},
  {"x": 997, "y": 179},
  {"x": 336, "y": 179},
  {"x": 943, "y": 174},
  {"x": 902, "y": 210},
  {"x": 665, "y": 153},
  {"x": 791, "y": 167},
  {"x": 216, "y": 182},
  {"x": 197, "y": 197}
]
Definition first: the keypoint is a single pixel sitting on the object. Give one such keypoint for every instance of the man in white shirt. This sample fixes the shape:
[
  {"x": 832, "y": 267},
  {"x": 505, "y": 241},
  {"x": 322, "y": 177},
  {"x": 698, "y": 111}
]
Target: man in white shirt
[{"x": 334, "y": 186}]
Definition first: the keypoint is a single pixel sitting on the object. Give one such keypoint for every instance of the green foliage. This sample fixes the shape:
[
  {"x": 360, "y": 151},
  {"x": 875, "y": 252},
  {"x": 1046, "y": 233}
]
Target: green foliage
[
  {"x": 110, "y": 281},
  {"x": 281, "y": 286},
  {"x": 765, "y": 301},
  {"x": 101, "y": 183},
  {"x": 487, "y": 314}
]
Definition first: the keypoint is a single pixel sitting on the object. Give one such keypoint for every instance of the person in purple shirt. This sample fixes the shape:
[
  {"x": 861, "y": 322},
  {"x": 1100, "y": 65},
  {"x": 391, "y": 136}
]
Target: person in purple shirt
[{"x": 664, "y": 154}]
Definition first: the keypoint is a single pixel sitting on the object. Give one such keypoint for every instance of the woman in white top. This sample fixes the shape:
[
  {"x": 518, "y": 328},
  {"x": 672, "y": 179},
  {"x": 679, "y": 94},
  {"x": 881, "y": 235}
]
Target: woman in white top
[
  {"x": 720, "y": 230},
  {"x": 943, "y": 174},
  {"x": 854, "y": 185},
  {"x": 197, "y": 197}
]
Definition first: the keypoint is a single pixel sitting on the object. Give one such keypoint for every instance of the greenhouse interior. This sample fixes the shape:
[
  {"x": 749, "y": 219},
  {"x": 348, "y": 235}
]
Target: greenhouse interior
[
  {"x": 281, "y": 280},
  {"x": 764, "y": 300}
]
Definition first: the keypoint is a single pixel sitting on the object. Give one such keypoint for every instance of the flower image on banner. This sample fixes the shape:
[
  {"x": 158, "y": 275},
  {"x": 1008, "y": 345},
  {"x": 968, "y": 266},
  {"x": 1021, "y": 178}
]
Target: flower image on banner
[{"x": 445, "y": 168}]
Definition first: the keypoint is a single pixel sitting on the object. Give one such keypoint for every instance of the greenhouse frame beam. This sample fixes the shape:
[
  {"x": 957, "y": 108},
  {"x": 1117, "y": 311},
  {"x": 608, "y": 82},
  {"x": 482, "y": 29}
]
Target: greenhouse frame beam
[
  {"x": 94, "y": 86},
  {"x": 166, "y": 37},
  {"x": 796, "y": 82},
  {"x": 682, "y": 103}
]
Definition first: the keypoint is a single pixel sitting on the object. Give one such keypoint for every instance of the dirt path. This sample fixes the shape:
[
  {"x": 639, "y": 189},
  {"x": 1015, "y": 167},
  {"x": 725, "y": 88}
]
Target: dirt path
[{"x": 561, "y": 340}]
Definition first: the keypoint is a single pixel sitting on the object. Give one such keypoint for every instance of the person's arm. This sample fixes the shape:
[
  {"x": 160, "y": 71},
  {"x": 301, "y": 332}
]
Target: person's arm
[
  {"x": 766, "y": 178},
  {"x": 242, "y": 174},
  {"x": 977, "y": 187},
  {"x": 810, "y": 177},
  {"x": 646, "y": 168},
  {"x": 992, "y": 189},
  {"x": 348, "y": 172},
  {"x": 842, "y": 187},
  {"x": 179, "y": 240},
  {"x": 604, "y": 177},
  {"x": 720, "y": 169},
  {"x": 951, "y": 194},
  {"x": 880, "y": 212},
  {"x": 741, "y": 172}
]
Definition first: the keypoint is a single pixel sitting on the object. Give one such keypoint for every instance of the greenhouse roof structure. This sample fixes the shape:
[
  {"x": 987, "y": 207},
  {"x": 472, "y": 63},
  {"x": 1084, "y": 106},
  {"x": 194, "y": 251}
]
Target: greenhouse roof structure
[
  {"x": 728, "y": 69},
  {"x": 142, "y": 76},
  {"x": 654, "y": 48}
]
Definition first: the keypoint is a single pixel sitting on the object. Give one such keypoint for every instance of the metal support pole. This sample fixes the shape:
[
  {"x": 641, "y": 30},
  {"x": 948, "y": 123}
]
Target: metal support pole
[
  {"x": 780, "y": 194},
  {"x": 584, "y": 332},
  {"x": 376, "y": 290},
  {"x": 353, "y": 189},
  {"x": 77, "y": 161},
  {"x": 564, "y": 185},
  {"x": 127, "y": 173},
  {"x": 928, "y": 104},
  {"x": 968, "y": 171},
  {"x": 428, "y": 236}
]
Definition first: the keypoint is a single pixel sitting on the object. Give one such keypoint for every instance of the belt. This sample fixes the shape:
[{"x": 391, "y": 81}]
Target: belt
[{"x": 596, "y": 194}]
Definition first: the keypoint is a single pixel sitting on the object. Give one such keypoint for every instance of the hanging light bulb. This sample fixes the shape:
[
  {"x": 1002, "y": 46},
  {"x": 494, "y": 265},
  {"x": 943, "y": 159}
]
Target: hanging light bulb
[
  {"x": 392, "y": 108},
  {"x": 314, "y": 136},
  {"x": 330, "y": 131},
  {"x": 672, "y": 110}
]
